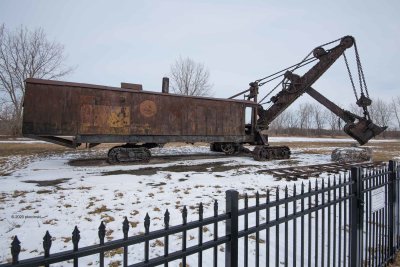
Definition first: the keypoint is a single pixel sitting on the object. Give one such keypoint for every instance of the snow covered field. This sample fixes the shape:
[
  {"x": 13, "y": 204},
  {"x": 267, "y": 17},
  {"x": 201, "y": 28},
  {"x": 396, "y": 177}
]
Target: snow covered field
[{"x": 52, "y": 193}]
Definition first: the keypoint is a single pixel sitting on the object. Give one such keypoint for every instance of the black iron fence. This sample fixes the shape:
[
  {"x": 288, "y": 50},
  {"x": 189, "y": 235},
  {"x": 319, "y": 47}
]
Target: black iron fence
[{"x": 344, "y": 220}]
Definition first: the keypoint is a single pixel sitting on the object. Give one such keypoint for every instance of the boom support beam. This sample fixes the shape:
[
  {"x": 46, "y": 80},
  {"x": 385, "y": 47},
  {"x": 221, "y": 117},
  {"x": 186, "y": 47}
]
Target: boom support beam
[
  {"x": 357, "y": 127},
  {"x": 345, "y": 115}
]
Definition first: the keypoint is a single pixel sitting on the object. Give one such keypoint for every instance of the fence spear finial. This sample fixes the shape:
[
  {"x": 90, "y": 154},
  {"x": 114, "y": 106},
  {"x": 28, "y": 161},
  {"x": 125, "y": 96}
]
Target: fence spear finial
[
  {"x": 184, "y": 215},
  {"x": 215, "y": 207},
  {"x": 75, "y": 238},
  {"x": 47, "y": 244},
  {"x": 102, "y": 232},
  {"x": 147, "y": 223},
  {"x": 125, "y": 228},
  {"x": 166, "y": 219},
  {"x": 15, "y": 249}
]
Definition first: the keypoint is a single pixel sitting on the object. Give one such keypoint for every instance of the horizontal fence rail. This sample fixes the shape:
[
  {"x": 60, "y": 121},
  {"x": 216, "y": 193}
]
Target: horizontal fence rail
[{"x": 345, "y": 220}]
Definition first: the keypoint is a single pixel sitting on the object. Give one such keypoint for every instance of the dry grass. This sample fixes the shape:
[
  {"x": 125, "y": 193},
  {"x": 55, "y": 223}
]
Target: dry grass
[
  {"x": 26, "y": 149},
  {"x": 107, "y": 218},
  {"x": 381, "y": 151},
  {"x": 115, "y": 264},
  {"x": 386, "y": 151},
  {"x": 21, "y": 149},
  {"x": 98, "y": 210}
]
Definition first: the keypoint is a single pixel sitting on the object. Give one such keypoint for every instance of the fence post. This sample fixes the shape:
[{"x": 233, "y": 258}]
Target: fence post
[
  {"x": 392, "y": 206},
  {"x": 232, "y": 228},
  {"x": 356, "y": 217}
]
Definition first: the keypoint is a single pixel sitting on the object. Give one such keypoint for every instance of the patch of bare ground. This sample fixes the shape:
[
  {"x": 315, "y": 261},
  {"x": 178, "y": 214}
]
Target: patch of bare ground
[
  {"x": 314, "y": 147},
  {"x": 113, "y": 252},
  {"x": 48, "y": 182},
  {"x": 385, "y": 151},
  {"x": 11, "y": 163},
  {"x": 381, "y": 151},
  {"x": 141, "y": 171},
  {"x": 98, "y": 210},
  {"x": 18, "y": 193},
  {"x": 26, "y": 149},
  {"x": 16, "y": 155},
  {"x": 205, "y": 167}
]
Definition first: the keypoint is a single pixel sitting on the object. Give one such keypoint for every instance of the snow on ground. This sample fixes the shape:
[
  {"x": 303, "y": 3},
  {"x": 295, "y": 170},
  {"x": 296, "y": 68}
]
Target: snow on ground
[
  {"x": 22, "y": 142},
  {"x": 325, "y": 140},
  {"x": 49, "y": 193},
  {"x": 7, "y": 140}
]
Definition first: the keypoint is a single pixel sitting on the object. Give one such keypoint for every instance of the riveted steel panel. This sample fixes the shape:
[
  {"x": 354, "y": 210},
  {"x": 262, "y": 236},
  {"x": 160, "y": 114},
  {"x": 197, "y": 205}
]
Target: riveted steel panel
[{"x": 72, "y": 109}]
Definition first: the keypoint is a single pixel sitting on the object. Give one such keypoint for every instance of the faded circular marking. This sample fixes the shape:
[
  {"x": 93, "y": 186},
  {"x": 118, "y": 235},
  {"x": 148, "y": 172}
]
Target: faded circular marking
[{"x": 148, "y": 108}]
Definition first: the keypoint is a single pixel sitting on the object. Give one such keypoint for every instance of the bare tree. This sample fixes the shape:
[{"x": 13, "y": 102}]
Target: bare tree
[
  {"x": 292, "y": 119},
  {"x": 26, "y": 54},
  {"x": 333, "y": 121},
  {"x": 319, "y": 116},
  {"x": 305, "y": 116},
  {"x": 380, "y": 112},
  {"x": 190, "y": 78},
  {"x": 396, "y": 109},
  {"x": 354, "y": 108},
  {"x": 279, "y": 123},
  {"x": 285, "y": 122},
  {"x": 6, "y": 117}
]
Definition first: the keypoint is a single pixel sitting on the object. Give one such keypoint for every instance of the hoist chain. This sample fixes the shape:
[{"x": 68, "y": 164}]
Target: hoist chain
[
  {"x": 363, "y": 101},
  {"x": 360, "y": 71},
  {"x": 351, "y": 76}
]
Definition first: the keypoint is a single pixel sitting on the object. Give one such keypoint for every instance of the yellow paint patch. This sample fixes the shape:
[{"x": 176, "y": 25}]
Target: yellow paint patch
[
  {"x": 103, "y": 119},
  {"x": 119, "y": 117}
]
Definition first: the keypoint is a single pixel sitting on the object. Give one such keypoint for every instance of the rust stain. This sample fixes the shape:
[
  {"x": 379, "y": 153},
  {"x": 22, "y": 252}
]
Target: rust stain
[
  {"x": 108, "y": 119},
  {"x": 118, "y": 117},
  {"x": 86, "y": 115},
  {"x": 141, "y": 128}
]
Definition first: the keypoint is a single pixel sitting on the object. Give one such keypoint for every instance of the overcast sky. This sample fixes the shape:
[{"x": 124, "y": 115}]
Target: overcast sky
[{"x": 238, "y": 41}]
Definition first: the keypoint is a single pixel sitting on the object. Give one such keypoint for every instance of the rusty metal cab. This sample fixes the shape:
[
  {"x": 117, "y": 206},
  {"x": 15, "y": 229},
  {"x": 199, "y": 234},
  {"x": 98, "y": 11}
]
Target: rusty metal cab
[{"x": 73, "y": 113}]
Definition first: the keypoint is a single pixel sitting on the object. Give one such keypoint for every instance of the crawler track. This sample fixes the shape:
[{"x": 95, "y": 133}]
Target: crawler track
[{"x": 305, "y": 172}]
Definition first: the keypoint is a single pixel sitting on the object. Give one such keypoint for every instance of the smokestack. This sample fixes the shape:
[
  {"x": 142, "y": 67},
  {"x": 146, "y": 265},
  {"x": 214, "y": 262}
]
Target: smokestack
[{"x": 165, "y": 85}]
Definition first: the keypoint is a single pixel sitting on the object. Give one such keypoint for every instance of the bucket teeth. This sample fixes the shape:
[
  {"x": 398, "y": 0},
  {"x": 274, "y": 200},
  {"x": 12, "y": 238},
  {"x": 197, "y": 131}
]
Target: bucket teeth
[{"x": 363, "y": 130}]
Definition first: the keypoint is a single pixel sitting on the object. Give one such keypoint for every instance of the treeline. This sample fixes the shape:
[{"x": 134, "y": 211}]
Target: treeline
[{"x": 313, "y": 119}]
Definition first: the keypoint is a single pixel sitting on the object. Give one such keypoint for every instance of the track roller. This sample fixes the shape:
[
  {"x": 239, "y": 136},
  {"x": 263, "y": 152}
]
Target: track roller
[{"x": 128, "y": 153}]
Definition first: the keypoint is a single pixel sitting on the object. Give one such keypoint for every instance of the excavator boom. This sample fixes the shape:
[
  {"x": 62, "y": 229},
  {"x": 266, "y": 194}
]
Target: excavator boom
[
  {"x": 360, "y": 128},
  {"x": 298, "y": 85}
]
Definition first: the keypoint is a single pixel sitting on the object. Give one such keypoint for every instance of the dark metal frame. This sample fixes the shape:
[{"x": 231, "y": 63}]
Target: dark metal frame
[{"x": 332, "y": 225}]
